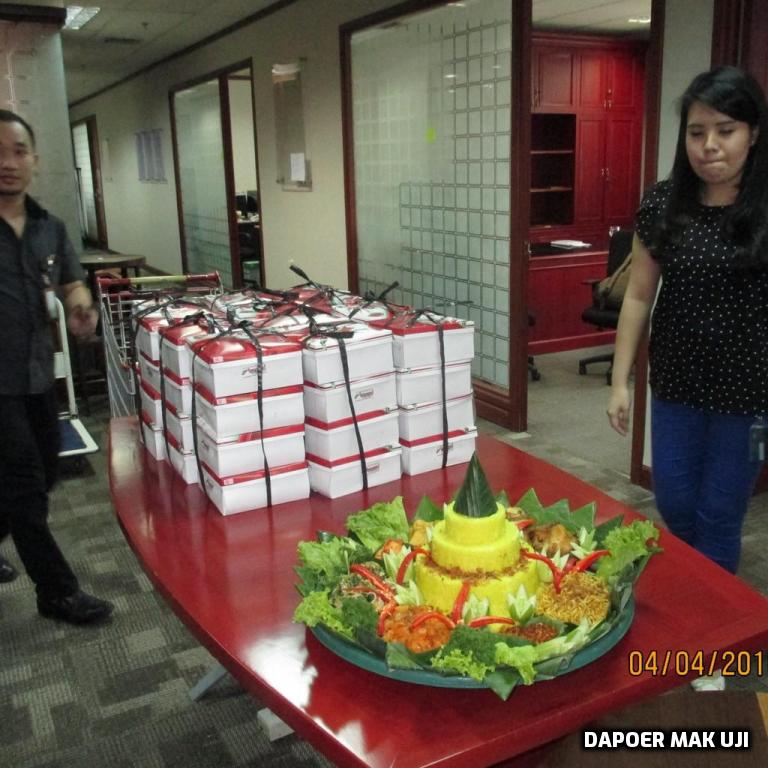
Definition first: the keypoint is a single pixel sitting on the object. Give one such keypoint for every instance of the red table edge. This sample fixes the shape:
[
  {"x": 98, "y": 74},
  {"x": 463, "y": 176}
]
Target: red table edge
[{"x": 316, "y": 734}]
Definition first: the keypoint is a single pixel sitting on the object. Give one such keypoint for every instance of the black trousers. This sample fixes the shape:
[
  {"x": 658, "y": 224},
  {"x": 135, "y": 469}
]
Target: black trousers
[{"x": 29, "y": 448}]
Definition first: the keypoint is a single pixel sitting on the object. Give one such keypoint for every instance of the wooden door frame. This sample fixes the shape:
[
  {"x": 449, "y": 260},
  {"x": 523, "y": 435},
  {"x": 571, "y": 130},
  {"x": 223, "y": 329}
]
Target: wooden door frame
[
  {"x": 220, "y": 76},
  {"x": 94, "y": 152},
  {"x": 510, "y": 407}
]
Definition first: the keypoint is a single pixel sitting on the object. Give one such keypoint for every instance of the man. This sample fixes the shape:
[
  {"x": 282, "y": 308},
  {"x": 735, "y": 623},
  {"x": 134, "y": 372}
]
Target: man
[{"x": 35, "y": 257}]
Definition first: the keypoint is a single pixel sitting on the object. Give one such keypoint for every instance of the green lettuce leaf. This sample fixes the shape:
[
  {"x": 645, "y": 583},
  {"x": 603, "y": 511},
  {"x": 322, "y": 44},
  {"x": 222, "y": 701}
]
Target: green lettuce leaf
[
  {"x": 627, "y": 544},
  {"x": 316, "y": 608},
  {"x": 475, "y": 498},
  {"x": 382, "y": 521},
  {"x": 457, "y": 662},
  {"x": 323, "y": 563}
]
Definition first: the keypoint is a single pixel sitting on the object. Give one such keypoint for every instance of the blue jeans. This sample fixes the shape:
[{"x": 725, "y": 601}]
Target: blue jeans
[{"x": 703, "y": 477}]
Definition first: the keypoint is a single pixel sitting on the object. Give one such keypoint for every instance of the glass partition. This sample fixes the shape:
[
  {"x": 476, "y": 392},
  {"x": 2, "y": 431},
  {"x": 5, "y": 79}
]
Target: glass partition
[
  {"x": 431, "y": 103},
  {"x": 200, "y": 146}
]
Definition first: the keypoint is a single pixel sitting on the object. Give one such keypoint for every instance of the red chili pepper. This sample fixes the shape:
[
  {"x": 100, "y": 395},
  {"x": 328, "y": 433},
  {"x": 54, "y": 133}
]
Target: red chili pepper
[
  {"x": 556, "y": 573},
  {"x": 386, "y": 612},
  {"x": 458, "y": 605},
  {"x": 484, "y": 621},
  {"x": 569, "y": 566},
  {"x": 522, "y": 524},
  {"x": 407, "y": 561},
  {"x": 585, "y": 562},
  {"x": 369, "y": 575},
  {"x": 422, "y": 617}
]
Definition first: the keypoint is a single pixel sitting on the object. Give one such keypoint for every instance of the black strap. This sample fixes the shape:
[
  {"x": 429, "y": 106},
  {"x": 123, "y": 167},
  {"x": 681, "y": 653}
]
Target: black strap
[
  {"x": 358, "y": 436},
  {"x": 320, "y": 330},
  {"x": 438, "y": 319},
  {"x": 260, "y": 405},
  {"x": 369, "y": 299}
]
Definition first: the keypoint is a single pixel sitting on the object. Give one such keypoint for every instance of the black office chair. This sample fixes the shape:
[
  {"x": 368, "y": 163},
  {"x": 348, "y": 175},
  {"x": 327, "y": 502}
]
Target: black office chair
[
  {"x": 247, "y": 204},
  {"x": 600, "y": 313}
]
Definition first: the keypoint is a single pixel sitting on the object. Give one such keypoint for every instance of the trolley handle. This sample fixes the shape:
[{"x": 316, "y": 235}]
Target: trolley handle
[{"x": 109, "y": 282}]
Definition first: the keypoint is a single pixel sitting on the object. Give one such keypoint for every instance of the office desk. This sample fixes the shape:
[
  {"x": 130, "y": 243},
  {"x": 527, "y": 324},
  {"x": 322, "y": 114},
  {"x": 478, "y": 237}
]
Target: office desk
[{"x": 231, "y": 581}]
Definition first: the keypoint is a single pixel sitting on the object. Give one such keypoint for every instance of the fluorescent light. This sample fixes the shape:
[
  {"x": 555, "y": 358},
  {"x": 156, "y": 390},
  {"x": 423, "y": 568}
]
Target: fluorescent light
[
  {"x": 641, "y": 20},
  {"x": 78, "y": 16}
]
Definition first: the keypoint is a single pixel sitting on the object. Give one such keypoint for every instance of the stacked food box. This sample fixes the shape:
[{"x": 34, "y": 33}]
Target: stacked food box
[
  {"x": 351, "y": 408},
  {"x": 266, "y": 395},
  {"x": 432, "y": 356},
  {"x": 151, "y": 320},
  {"x": 250, "y": 419}
]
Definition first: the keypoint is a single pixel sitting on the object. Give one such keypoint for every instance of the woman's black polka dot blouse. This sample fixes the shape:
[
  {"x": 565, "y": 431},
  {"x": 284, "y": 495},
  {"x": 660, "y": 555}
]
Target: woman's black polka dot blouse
[{"x": 709, "y": 331}]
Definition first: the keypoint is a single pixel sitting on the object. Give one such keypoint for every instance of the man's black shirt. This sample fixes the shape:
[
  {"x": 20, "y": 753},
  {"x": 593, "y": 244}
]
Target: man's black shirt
[{"x": 26, "y": 342}]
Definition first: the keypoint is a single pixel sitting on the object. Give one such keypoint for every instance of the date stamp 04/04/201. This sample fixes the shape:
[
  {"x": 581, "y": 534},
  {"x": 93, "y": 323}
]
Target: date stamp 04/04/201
[{"x": 683, "y": 663}]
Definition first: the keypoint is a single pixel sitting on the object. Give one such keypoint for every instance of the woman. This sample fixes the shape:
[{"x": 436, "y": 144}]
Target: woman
[{"x": 704, "y": 232}]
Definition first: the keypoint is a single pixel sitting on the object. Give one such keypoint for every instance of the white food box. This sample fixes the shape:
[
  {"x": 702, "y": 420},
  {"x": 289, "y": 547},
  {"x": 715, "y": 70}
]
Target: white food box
[
  {"x": 150, "y": 325},
  {"x": 337, "y": 440},
  {"x": 176, "y": 347},
  {"x": 151, "y": 404},
  {"x": 153, "y": 438},
  {"x": 180, "y": 428},
  {"x": 230, "y": 416},
  {"x": 240, "y": 493},
  {"x": 415, "y": 344},
  {"x": 369, "y": 354},
  {"x": 184, "y": 462},
  {"x": 426, "y": 454},
  {"x": 178, "y": 393},
  {"x": 245, "y": 453},
  {"x": 228, "y": 365},
  {"x": 329, "y": 402},
  {"x": 417, "y": 421},
  {"x": 149, "y": 370},
  {"x": 423, "y": 385},
  {"x": 339, "y": 478}
]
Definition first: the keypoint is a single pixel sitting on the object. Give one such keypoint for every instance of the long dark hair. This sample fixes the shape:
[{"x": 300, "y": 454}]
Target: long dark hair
[{"x": 737, "y": 94}]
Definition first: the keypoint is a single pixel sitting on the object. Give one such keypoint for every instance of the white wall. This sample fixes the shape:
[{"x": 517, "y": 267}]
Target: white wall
[
  {"x": 243, "y": 142},
  {"x": 687, "y": 51},
  {"x": 305, "y": 227}
]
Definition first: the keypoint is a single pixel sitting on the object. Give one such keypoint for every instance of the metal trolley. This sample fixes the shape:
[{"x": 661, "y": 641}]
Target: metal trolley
[{"x": 119, "y": 300}]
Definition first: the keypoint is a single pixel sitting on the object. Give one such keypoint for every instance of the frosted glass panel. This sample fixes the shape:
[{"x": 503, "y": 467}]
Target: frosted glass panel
[
  {"x": 431, "y": 98},
  {"x": 201, "y": 171}
]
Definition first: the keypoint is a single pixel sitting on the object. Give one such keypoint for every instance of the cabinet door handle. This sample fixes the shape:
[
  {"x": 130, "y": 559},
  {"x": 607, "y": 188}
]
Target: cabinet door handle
[{"x": 607, "y": 175}]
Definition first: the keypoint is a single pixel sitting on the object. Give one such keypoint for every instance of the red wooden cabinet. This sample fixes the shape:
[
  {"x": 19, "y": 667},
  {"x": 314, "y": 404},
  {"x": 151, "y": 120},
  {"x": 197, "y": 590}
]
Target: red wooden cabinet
[
  {"x": 598, "y": 82},
  {"x": 586, "y": 144},
  {"x": 554, "y": 79}
]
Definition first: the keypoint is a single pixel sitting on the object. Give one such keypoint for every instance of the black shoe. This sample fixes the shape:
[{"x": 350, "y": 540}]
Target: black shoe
[
  {"x": 80, "y": 608},
  {"x": 7, "y": 571}
]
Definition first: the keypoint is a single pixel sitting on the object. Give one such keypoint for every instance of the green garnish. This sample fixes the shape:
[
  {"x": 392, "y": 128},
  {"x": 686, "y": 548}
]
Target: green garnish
[{"x": 475, "y": 497}]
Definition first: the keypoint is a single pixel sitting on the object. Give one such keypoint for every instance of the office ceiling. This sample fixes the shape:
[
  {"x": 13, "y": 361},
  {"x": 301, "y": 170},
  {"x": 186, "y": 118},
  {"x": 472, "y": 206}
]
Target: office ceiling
[{"x": 129, "y": 35}]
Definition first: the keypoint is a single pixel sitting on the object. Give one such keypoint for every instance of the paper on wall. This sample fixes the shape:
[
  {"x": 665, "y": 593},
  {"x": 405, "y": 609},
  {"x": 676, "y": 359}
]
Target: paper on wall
[{"x": 298, "y": 167}]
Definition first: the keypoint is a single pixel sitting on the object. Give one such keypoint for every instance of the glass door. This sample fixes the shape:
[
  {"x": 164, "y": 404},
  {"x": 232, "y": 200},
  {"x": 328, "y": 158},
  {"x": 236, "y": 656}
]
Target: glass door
[
  {"x": 432, "y": 135},
  {"x": 202, "y": 180}
]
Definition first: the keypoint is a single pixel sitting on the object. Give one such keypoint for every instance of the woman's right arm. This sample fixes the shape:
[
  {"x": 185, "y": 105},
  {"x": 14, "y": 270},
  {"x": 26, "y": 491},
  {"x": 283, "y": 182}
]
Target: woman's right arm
[{"x": 633, "y": 320}]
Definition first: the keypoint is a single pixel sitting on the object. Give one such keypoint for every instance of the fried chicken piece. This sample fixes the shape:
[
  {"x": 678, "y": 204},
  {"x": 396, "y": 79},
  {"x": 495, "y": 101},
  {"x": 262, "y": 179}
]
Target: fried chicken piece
[
  {"x": 548, "y": 539},
  {"x": 419, "y": 533}
]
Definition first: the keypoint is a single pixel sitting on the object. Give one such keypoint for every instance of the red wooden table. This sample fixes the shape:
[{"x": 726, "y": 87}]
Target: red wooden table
[{"x": 231, "y": 581}]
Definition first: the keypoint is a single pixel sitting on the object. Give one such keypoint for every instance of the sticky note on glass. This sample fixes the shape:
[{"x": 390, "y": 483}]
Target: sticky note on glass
[{"x": 298, "y": 167}]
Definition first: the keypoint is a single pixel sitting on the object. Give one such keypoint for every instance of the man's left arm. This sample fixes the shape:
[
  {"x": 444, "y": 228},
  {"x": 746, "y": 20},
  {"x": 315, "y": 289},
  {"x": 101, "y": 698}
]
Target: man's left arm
[{"x": 82, "y": 315}]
